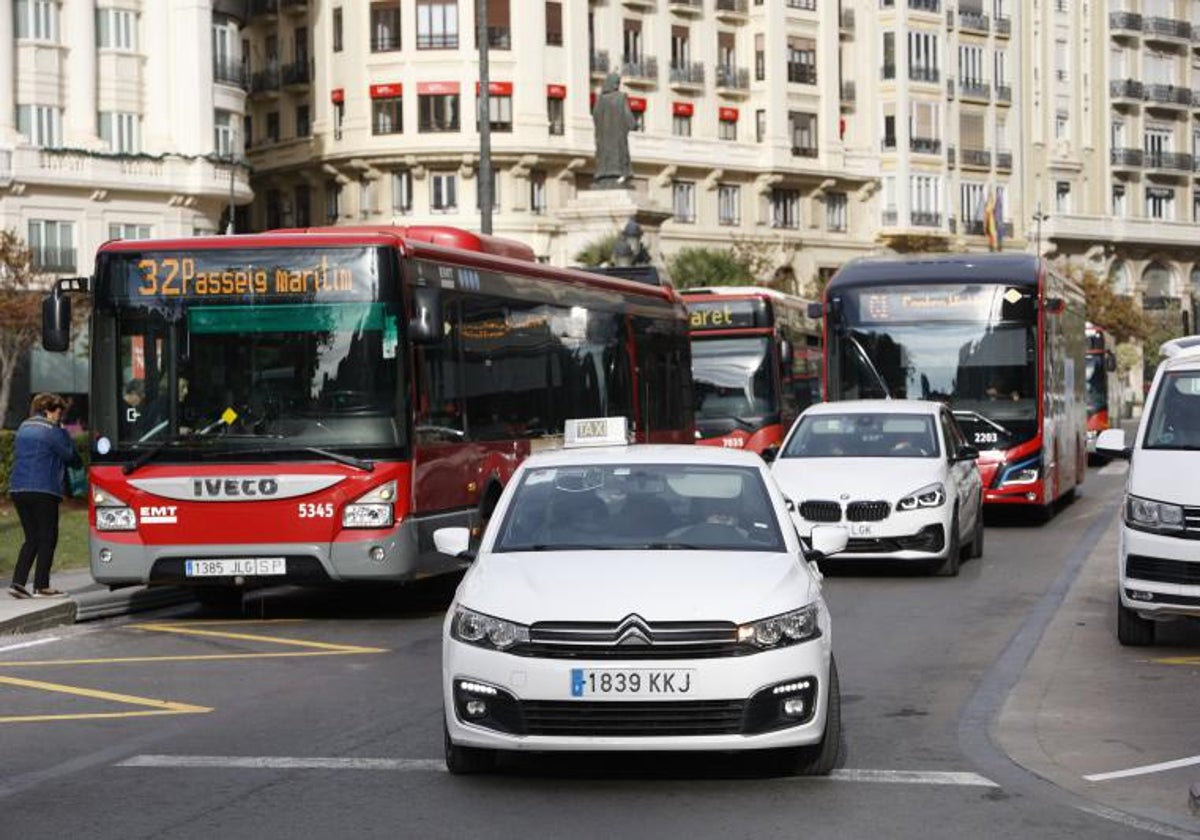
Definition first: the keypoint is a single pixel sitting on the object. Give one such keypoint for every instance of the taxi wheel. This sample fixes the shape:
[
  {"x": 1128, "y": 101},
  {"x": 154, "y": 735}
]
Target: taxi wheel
[
  {"x": 821, "y": 757},
  {"x": 948, "y": 565},
  {"x": 1132, "y": 629},
  {"x": 463, "y": 761}
]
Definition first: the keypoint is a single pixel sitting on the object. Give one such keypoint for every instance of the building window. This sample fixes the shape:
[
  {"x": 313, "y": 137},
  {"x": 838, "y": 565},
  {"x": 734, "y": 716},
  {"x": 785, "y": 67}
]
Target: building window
[
  {"x": 727, "y": 128},
  {"x": 437, "y": 24},
  {"x": 925, "y": 196},
  {"x": 1062, "y": 125},
  {"x": 333, "y": 202},
  {"x": 889, "y": 55},
  {"x": 387, "y": 115},
  {"x": 554, "y": 110},
  {"x": 785, "y": 208},
  {"x": 40, "y": 125},
  {"x": 37, "y": 20},
  {"x": 1160, "y": 203},
  {"x": 803, "y": 130},
  {"x": 760, "y": 125},
  {"x": 443, "y": 192},
  {"x": 729, "y": 204},
  {"x": 438, "y": 112},
  {"x": 339, "y": 117},
  {"x": 120, "y": 131},
  {"x": 303, "y": 121},
  {"x": 802, "y": 61},
  {"x": 760, "y": 58},
  {"x": 923, "y": 56},
  {"x": 128, "y": 230},
  {"x": 499, "y": 25},
  {"x": 227, "y": 67},
  {"x": 537, "y": 191},
  {"x": 1196, "y": 206},
  {"x": 499, "y": 113},
  {"x": 116, "y": 29},
  {"x": 683, "y": 201},
  {"x": 402, "y": 191},
  {"x": 366, "y": 198},
  {"x": 272, "y": 127},
  {"x": 1118, "y": 200},
  {"x": 835, "y": 212},
  {"x": 681, "y": 125},
  {"x": 337, "y": 29},
  {"x": 385, "y": 27},
  {"x": 52, "y": 244},
  {"x": 223, "y": 132},
  {"x": 554, "y": 26},
  {"x": 1062, "y": 196}
]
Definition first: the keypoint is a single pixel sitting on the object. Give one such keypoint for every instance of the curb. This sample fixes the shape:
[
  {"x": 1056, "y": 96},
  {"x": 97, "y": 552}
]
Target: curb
[
  {"x": 51, "y": 615},
  {"x": 92, "y": 605}
]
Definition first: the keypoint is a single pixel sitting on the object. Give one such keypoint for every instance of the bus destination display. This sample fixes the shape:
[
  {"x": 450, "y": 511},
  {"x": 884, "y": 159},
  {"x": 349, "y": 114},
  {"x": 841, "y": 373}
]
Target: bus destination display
[
  {"x": 280, "y": 274},
  {"x": 726, "y": 314},
  {"x": 942, "y": 303}
]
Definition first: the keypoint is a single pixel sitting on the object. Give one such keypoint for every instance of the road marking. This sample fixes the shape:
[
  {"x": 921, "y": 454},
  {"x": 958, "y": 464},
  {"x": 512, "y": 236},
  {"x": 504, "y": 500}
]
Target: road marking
[
  {"x": 157, "y": 707},
  {"x": 196, "y": 657},
  {"x": 1177, "y": 660},
  {"x": 1143, "y": 770},
  {"x": 260, "y": 762},
  {"x": 191, "y": 630},
  {"x": 33, "y": 643}
]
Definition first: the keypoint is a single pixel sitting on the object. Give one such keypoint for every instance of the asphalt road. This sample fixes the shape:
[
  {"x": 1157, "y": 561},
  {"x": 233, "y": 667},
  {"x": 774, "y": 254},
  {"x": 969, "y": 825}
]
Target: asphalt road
[{"x": 318, "y": 715}]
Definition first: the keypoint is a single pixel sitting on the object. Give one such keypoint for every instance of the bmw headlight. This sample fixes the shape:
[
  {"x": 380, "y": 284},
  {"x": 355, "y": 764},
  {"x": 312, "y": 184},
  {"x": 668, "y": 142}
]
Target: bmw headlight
[
  {"x": 929, "y": 496},
  {"x": 112, "y": 514},
  {"x": 790, "y": 628},
  {"x": 485, "y": 630},
  {"x": 1153, "y": 516}
]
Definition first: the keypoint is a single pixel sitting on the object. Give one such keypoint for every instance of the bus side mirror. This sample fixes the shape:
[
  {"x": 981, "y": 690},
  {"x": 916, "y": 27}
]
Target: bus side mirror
[
  {"x": 56, "y": 321},
  {"x": 786, "y": 355},
  {"x": 1110, "y": 361},
  {"x": 816, "y": 309},
  {"x": 425, "y": 326},
  {"x": 1055, "y": 305}
]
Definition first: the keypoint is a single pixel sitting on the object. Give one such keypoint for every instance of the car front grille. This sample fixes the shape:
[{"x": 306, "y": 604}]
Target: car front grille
[
  {"x": 1191, "y": 523},
  {"x": 821, "y": 511},
  {"x": 1159, "y": 570},
  {"x": 867, "y": 511},
  {"x": 632, "y": 638},
  {"x": 633, "y": 719}
]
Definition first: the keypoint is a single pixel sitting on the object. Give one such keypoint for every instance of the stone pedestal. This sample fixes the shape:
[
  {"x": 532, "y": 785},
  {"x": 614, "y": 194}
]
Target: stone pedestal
[{"x": 594, "y": 214}]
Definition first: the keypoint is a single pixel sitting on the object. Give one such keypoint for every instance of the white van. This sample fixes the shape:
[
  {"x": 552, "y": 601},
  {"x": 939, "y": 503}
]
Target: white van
[{"x": 1159, "y": 554}]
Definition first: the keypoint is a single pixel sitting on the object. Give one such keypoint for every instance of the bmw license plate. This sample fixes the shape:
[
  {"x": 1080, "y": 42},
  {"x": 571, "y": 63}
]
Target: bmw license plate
[
  {"x": 862, "y": 529},
  {"x": 630, "y": 682},
  {"x": 243, "y": 566}
]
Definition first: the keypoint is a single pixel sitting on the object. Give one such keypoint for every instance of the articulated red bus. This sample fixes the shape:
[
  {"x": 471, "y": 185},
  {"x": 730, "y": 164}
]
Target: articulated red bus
[
  {"x": 999, "y": 337},
  {"x": 756, "y": 364},
  {"x": 307, "y": 406}
]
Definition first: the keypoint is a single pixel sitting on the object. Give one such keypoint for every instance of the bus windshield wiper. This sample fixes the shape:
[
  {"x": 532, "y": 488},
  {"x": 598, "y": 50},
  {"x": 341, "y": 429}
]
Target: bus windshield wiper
[
  {"x": 146, "y": 457},
  {"x": 348, "y": 460},
  {"x": 975, "y": 415},
  {"x": 862, "y": 354}
]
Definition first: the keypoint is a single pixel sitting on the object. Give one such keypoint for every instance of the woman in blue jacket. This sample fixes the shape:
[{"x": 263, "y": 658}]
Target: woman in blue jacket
[{"x": 42, "y": 452}]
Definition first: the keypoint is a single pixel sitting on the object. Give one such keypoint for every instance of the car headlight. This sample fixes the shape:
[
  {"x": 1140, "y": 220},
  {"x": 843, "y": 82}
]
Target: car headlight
[
  {"x": 485, "y": 630},
  {"x": 372, "y": 510},
  {"x": 112, "y": 514},
  {"x": 1153, "y": 516},
  {"x": 929, "y": 496},
  {"x": 790, "y": 628}
]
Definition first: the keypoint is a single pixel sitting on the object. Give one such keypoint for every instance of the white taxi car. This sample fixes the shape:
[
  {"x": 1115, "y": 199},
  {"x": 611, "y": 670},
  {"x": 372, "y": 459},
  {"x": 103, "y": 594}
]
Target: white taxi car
[
  {"x": 899, "y": 474},
  {"x": 640, "y": 597},
  {"x": 1159, "y": 551}
]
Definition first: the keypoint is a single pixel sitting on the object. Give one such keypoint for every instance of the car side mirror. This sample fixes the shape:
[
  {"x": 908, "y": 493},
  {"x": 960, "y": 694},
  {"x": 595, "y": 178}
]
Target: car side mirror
[
  {"x": 816, "y": 309},
  {"x": 455, "y": 542},
  {"x": 1111, "y": 442},
  {"x": 827, "y": 540},
  {"x": 966, "y": 452},
  {"x": 56, "y": 322},
  {"x": 770, "y": 454}
]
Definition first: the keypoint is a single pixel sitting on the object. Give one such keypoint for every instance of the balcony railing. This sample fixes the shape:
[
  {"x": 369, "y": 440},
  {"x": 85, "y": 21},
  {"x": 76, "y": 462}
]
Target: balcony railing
[
  {"x": 1176, "y": 161},
  {"x": 970, "y": 19},
  {"x": 925, "y": 145},
  {"x": 950, "y": 156},
  {"x": 890, "y": 217},
  {"x": 921, "y": 73},
  {"x": 54, "y": 260},
  {"x": 688, "y": 74},
  {"x": 1169, "y": 95},
  {"x": 437, "y": 40},
  {"x": 1004, "y": 93},
  {"x": 849, "y": 91},
  {"x": 888, "y": 71},
  {"x": 1126, "y": 157},
  {"x": 264, "y": 7},
  {"x": 643, "y": 69},
  {"x": 1167, "y": 28},
  {"x": 1126, "y": 89},
  {"x": 1004, "y": 160},
  {"x": 229, "y": 73},
  {"x": 599, "y": 61},
  {"x": 265, "y": 81},
  {"x": 925, "y": 5},
  {"x": 847, "y": 20},
  {"x": 385, "y": 41},
  {"x": 888, "y": 144},
  {"x": 737, "y": 7},
  {"x": 294, "y": 6},
  {"x": 926, "y": 218},
  {"x": 804, "y": 151},
  {"x": 298, "y": 72},
  {"x": 1125, "y": 22},
  {"x": 974, "y": 89},
  {"x": 1003, "y": 26},
  {"x": 737, "y": 78},
  {"x": 803, "y": 74},
  {"x": 687, "y": 6},
  {"x": 500, "y": 37},
  {"x": 805, "y": 5},
  {"x": 977, "y": 157}
]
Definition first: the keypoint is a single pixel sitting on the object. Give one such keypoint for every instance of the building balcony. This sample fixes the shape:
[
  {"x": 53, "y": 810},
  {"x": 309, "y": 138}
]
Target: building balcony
[
  {"x": 1125, "y": 24},
  {"x": 294, "y": 7},
  {"x": 887, "y": 144},
  {"x": 949, "y": 88},
  {"x": 689, "y": 76},
  {"x": 849, "y": 93},
  {"x": 933, "y": 6},
  {"x": 695, "y": 8},
  {"x": 1170, "y": 96},
  {"x": 920, "y": 73},
  {"x": 802, "y": 74},
  {"x": 385, "y": 41},
  {"x": 265, "y": 82},
  {"x": 298, "y": 74},
  {"x": 642, "y": 5},
  {"x": 1196, "y": 99},
  {"x": 1002, "y": 27},
  {"x": 499, "y": 38},
  {"x": 887, "y": 72},
  {"x": 925, "y": 145},
  {"x": 230, "y": 73},
  {"x": 976, "y": 159},
  {"x": 846, "y": 22},
  {"x": 1166, "y": 30},
  {"x": 640, "y": 72},
  {"x": 950, "y": 157},
  {"x": 1126, "y": 91},
  {"x": 952, "y": 224},
  {"x": 973, "y": 21},
  {"x": 973, "y": 227},
  {"x": 733, "y": 11},
  {"x": 1004, "y": 94},
  {"x": 803, "y": 5},
  {"x": 805, "y": 151},
  {"x": 236, "y": 9},
  {"x": 599, "y": 62},
  {"x": 974, "y": 89},
  {"x": 733, "y": 78},
  {"x": 1168, "y": 162},
  {"x": 1004, "y": 161},
  {"x": 925, "y": 218},
  {"x": 1126, "y": 158},
  {"x": 264, "y": 9},
  {"x": 890, "y": 217}
]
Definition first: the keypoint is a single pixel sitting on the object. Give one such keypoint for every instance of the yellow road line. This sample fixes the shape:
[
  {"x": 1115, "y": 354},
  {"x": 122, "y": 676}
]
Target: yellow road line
[
  {"x": 159, "y": 707},
  {"x": 1178, "y": 660},
  {"x": 198, "y": 657},
  {"x": 249, "y": 637}
]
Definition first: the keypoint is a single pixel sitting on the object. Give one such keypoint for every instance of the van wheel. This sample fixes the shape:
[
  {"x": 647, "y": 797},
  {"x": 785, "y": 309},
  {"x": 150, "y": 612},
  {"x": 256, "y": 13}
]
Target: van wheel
[
  {"x": 1132, "y": 629},
  {"x": 948, "y": 566},
  {"x": 464, "y": 761}
]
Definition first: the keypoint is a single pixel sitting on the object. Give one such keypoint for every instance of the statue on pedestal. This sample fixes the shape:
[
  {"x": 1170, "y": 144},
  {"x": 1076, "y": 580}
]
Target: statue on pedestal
[{"x": 613, "y": 120}]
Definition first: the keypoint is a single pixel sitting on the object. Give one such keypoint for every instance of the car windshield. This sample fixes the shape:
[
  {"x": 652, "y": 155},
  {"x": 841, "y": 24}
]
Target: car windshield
[
  {"x": 858, "y": 435},
  {"x": 1175, "y": 416},
  {"x": 641, "y": 506}
]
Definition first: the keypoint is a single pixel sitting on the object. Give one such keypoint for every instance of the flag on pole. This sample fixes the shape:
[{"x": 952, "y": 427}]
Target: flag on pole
[{"x": 990, "y": 227}]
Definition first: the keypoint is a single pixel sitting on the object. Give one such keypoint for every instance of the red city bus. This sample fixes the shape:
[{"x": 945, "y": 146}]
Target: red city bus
[
  {"x": 1101, "y": 385},
  {"x": 307, "y": 406},
  {"x": 756, "y": 364},
  {"x": 998, "y": 337}
]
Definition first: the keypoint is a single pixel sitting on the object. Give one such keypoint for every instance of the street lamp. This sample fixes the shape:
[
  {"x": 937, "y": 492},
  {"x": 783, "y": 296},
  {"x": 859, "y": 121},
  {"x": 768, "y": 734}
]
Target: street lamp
[{"x": 1038, "y": 218}]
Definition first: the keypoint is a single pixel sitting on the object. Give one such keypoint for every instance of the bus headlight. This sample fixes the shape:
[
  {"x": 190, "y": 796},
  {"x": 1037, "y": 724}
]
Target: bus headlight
[
  {"x": 372, "y": 510},
  {"x": 1023, "y": 472},
  {"x": 112, "y": 514}
]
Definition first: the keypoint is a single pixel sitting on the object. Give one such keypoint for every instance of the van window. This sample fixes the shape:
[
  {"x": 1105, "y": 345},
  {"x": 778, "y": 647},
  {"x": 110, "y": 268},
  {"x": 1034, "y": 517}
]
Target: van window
[{"x": 1175, "y": 415}]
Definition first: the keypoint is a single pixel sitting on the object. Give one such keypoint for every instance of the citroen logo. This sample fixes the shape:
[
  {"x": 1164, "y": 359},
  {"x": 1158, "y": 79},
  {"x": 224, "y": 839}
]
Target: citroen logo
[{"x": 633, "y": 630}]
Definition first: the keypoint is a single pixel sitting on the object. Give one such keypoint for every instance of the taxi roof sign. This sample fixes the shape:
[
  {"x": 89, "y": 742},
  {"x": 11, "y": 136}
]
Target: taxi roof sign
[{"x": 596, "y": 431}]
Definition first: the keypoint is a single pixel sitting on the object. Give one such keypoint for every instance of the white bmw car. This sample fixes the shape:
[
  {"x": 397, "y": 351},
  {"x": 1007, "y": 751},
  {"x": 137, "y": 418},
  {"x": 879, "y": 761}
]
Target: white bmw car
[
  {"x": 640, "y": 598},
  {"x": 899, "y": 474}
]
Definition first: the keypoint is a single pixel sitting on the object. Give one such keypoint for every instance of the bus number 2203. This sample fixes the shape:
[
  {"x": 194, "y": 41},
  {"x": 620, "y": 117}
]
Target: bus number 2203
[
  {"x": 308, "y": 510},
  {"x": 986, "y": 437}
]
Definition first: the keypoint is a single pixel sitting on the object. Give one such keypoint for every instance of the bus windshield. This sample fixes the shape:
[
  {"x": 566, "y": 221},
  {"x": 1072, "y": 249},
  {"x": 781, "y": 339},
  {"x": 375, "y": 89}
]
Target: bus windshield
[
  {"x": 732, "y": 381},
  {"x": 1097, "y": 383},
  {"x": 302, "y": 353}
]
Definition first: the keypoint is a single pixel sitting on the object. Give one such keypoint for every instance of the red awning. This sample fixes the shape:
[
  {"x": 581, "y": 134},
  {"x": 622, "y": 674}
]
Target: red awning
[
  {"x": 337, "y": 95},
  {"x": 682, "y": 109},
  {"x": 556, "y": 91},
  {"x": 437, "y": 88},
  {"x": 496, "y": 88},
  {"x": 727, "y": 114},
  {"x": 637, "y": 104},
  {"x": 388, "y": 91}
]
